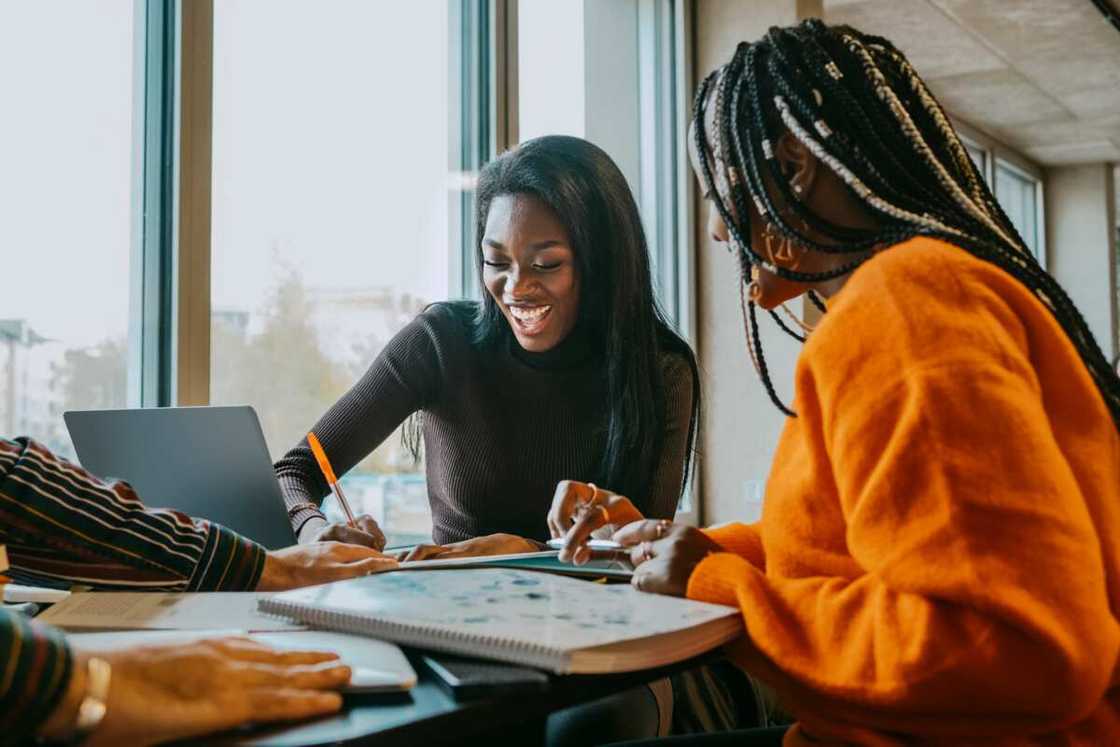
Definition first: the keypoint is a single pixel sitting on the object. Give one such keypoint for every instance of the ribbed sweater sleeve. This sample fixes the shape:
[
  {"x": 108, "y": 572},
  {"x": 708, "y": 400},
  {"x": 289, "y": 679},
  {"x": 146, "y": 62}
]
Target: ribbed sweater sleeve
[{"x": 403, "y": 377}]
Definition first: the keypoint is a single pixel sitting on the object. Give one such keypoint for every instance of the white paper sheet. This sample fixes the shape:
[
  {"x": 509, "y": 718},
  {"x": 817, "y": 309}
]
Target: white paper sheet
[{"x": 163, "y": 611}]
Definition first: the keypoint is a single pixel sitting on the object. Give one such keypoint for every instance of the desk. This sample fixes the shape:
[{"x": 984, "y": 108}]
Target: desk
[{"x": 428, "y": 715}]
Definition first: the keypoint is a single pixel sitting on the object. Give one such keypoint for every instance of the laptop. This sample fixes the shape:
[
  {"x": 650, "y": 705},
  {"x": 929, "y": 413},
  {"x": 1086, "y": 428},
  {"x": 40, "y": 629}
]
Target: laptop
[{"x": 208, "y": 462}]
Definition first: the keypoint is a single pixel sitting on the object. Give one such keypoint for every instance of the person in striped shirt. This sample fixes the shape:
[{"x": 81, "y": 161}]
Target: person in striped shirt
[{"x": 61, "y": 524}]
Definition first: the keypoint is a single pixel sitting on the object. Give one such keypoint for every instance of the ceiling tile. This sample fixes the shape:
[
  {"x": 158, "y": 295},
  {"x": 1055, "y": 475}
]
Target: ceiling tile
[
  {"x": 1094, "y": 152},
  {"x": 1020, "y": 29},
  {"x": 935, "y": 45},
  {"x": 1065, "y": 47},
  {"x": 999, "y": 98},
  {"x": 1094, "y": 102},
  {"x": 1057, "y": 132}
]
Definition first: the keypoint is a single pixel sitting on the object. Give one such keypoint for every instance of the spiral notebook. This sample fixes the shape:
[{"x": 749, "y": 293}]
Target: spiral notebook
[{"x": 551, "y": 622}]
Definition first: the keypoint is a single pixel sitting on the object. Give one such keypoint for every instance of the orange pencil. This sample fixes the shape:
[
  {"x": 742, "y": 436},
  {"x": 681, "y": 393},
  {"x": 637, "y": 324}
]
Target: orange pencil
[{"x": 325, "y": 466}]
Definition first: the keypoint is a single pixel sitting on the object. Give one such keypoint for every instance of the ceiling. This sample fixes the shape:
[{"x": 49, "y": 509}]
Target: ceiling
[{"x": 1042, "y": 76}]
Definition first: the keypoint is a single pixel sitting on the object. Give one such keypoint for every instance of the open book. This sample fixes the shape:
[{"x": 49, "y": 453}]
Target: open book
[{"x": 541, "y": 620}]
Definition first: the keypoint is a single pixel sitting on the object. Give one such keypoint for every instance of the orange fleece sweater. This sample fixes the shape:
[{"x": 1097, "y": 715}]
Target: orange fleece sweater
[{"x": 938, "y": 559}]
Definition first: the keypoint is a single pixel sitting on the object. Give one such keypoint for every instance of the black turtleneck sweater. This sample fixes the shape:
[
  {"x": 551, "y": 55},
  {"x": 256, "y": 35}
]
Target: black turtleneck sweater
[{"x": 501, "y": 427}]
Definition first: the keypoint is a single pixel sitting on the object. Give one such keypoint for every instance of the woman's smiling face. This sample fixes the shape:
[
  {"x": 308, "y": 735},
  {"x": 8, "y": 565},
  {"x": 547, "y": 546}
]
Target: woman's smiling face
[{"x": 530, "y": 270}]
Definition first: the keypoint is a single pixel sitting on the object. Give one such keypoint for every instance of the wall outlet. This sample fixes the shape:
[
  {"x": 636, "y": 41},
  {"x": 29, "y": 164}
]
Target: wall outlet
[{"x": 753, "y": 493}]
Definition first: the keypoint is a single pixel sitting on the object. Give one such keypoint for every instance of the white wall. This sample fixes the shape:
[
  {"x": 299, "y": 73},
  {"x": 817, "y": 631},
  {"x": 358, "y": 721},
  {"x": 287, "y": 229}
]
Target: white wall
[
  {"x": 1081, "y": 242},
  {"x": 741, "y": 426}
]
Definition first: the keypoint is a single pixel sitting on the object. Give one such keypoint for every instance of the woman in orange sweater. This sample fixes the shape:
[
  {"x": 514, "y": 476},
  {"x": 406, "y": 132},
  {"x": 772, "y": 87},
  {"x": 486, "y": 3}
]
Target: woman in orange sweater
[{"x": 938, "y": 560}]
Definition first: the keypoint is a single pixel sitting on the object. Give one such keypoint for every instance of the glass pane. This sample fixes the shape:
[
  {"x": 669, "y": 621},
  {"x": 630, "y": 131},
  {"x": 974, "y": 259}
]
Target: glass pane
[
  {"x": 550, "y": 56},
  {"x": 1017, "y": 194},
  {"x": 66, "y": 149},
  {"x": 979, "y": 157},
  {"x": 330, "y": 214}
]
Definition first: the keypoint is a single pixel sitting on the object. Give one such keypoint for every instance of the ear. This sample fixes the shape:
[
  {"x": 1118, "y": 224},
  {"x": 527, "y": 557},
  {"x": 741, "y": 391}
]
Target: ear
[{"x": 798, "y": 163}]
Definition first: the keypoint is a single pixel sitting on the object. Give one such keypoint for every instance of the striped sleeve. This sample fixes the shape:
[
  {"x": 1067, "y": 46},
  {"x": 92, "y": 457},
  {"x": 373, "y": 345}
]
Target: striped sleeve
[
  {"x": 35, "y": 667},
  {"x": 62, "y": 524}
]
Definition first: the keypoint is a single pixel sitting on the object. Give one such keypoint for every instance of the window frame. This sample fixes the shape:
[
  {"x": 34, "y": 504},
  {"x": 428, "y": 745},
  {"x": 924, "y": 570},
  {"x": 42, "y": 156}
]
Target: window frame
[
  {"x": 152, "y": 255},
  {"x": 659, "y": 167},
  {"x": 998, "y": 154},
  {"x": 171, "y": 305}
]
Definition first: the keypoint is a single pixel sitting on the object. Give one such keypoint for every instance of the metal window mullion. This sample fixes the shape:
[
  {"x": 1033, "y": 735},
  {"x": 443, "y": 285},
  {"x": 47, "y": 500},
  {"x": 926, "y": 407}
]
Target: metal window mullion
[
  {"x": 477, "y": 142},
  {"x": 153, "y": 206}
]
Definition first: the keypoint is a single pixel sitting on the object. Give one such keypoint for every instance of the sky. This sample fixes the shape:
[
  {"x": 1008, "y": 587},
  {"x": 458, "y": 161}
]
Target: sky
[{"x": 65, "y": 166}]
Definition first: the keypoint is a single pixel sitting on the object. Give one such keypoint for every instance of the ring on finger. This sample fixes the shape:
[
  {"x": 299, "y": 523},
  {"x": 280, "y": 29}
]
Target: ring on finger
[
  {"x": 647, "y": 551},
  {"x": 662, "y": 527}
]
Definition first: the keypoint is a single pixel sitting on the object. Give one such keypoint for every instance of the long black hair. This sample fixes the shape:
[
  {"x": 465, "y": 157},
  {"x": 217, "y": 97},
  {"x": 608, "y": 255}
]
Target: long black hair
[
  {"x": 589, "y": 195},
  {"x": 857, "y": 104}
]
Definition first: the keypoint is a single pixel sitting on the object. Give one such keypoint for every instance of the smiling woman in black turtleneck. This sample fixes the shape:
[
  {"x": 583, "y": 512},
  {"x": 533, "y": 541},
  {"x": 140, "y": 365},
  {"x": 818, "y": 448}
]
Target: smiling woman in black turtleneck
[{"x": 566, "y": 370}]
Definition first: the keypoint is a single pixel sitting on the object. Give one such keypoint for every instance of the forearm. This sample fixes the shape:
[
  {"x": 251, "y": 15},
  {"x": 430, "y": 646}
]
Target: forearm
[
  {"x": 302, "y": 496},
  {"x": 37, "y": 671},
  {"x": 61, "y": 523}
]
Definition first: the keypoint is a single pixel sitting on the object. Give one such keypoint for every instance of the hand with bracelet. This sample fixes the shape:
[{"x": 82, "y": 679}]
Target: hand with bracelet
[{"x": 150, "y": 694}]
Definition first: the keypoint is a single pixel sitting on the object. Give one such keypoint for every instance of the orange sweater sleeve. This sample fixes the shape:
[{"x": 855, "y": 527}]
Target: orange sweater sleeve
[
  {"x": 743, "y": 540},
  {"x": 982, "y": 604}
]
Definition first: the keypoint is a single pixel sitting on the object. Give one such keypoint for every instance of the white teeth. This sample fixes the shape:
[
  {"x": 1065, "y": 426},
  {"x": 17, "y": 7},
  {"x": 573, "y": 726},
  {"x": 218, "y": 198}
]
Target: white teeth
[{"x": 529, "y": 314}]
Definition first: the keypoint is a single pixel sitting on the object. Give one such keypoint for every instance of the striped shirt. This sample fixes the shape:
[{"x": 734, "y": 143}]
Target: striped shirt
[{"x": 63, "y": 525}]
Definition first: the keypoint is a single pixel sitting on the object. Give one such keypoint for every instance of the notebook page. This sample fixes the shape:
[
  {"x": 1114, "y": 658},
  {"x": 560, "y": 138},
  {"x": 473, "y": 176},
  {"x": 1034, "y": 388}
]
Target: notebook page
[{"x": 508, "y": 605}]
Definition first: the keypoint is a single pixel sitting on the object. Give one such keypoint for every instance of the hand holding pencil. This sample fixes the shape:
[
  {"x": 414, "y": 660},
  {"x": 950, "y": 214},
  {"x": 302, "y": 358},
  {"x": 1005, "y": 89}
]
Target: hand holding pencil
[{"x": 358, "y": 530}]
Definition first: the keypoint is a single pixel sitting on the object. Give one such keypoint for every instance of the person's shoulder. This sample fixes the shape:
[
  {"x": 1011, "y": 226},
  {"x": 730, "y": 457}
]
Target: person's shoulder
[
  {"x": 446, "y": 320},
  {"x": 678, "y": 363},
  {"x": 921, "y": 303},
  {"x": 928, "y": 271}
]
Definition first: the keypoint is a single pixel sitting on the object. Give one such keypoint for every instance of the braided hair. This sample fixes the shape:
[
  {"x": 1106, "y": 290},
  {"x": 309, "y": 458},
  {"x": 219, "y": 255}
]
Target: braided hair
[{"x": 855, "y": 102}]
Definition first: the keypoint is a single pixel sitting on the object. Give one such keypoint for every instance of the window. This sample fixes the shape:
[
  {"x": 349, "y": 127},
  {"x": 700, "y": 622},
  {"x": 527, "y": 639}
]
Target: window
[
  {"x": 1017, "y": 186},
  {"x": 635, "y": 107},
  {"x": 333, "y": 201},
  {"x": 550, "y": 60},
  {"x": 66, "y": 150},
  {"x": 1018, "y": 195},
  {"x": 979, "y": 157}
]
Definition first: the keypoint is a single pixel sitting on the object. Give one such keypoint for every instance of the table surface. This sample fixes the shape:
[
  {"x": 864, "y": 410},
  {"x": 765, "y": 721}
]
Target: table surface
[{"x": 429, "y": 715}]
